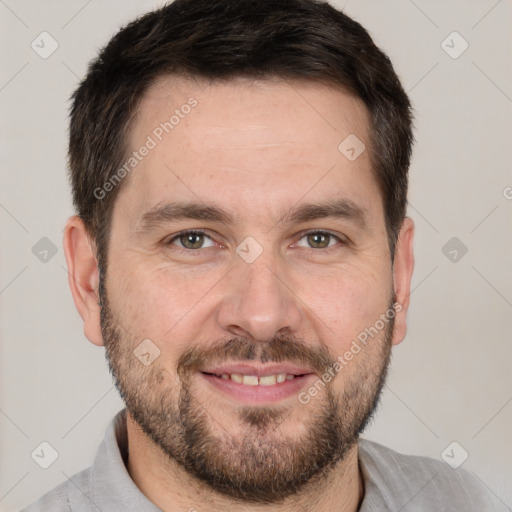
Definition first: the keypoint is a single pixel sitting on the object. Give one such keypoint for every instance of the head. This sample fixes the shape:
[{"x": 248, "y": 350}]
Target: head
[{"x": 239, "y": 171}]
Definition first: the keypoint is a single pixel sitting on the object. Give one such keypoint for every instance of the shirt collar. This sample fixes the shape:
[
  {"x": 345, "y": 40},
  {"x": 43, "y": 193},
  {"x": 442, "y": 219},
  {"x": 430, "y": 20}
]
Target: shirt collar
[{"x": 113, "y": 487}]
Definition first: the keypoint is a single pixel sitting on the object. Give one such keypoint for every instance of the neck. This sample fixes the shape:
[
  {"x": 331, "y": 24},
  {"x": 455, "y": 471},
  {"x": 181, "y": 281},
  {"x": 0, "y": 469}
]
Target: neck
[{"x": 171, "y": 488}]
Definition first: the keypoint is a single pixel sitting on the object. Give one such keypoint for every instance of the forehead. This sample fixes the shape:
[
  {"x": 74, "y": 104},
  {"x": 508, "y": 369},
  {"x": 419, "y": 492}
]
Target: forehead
[{"x": 246, "y": 142}]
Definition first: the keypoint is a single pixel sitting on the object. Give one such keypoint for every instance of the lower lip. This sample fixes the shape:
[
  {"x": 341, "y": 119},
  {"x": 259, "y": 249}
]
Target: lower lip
[{"x": 258, "y": 394}]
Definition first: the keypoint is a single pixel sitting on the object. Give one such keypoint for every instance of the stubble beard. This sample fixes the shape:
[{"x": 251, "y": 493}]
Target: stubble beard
[{"x": 259, "y": 465}]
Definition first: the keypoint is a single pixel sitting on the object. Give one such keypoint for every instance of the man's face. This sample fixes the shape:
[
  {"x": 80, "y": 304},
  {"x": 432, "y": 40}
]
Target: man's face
[{"x": 264, "y": 297}]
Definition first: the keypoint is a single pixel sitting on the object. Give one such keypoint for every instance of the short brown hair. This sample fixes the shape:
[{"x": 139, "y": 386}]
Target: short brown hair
[{"x": 306, "y": 40}]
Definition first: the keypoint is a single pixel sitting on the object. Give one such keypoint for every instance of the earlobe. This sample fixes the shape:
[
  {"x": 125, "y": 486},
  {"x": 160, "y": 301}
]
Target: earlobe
[
  {"x": 403, "y": 267},
  {"x": 83, "y": 276}
]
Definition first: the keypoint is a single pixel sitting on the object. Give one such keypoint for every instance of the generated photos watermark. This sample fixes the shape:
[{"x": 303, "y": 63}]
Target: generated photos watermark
[
  {"x": 355, "y": 348},
  {"x": 157, "y": 135}
]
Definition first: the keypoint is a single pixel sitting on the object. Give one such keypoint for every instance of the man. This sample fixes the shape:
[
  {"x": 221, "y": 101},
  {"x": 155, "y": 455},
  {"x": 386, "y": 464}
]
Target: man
[{"x": 242, "y": 250}]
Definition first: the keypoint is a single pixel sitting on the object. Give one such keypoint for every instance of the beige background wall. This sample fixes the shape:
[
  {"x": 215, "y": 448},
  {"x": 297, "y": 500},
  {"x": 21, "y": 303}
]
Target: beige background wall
[{"x": 451, "y": 378}]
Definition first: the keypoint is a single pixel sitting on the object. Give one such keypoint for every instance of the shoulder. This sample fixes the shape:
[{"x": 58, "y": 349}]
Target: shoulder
[
  {"x": 67, "y": 496},
  {"x": 394, "y": 481}
]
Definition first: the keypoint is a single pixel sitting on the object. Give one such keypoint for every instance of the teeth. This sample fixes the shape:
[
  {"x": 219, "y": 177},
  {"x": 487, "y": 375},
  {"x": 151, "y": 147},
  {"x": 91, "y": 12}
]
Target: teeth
[
  {"x": 253, "y": 380},
  {"x": 268, "y": 380},
  {"x": 250, "y": 380}
]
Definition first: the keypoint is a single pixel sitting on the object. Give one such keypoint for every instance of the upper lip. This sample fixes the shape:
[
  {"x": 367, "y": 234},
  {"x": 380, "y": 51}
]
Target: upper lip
[{"x": 258, "y": 370}]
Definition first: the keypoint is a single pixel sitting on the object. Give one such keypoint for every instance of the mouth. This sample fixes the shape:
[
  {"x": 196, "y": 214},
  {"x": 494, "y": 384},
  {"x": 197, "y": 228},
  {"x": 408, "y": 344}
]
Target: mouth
[
  {"x": 251, "y": 384},
  {"x": 254, "y": 380}
]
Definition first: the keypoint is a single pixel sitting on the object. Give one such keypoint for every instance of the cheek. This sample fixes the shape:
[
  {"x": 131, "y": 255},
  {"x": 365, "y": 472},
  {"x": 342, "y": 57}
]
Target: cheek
[
  {"x": 347, "y": 305},
  {"x": 175, "y": 308},
  {"x": 157, "y": 303}
]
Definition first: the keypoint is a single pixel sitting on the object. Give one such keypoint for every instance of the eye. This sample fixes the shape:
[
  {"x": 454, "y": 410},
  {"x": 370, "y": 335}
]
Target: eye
[
  {"x": 195, "y": 239},
  {"x": 190, "y": 240},
  {"x": 320, "y": 240}
]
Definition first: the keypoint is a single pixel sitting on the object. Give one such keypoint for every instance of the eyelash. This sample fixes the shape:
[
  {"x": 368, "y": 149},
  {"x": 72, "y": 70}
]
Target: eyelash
[{"x": 303, "y": 234}]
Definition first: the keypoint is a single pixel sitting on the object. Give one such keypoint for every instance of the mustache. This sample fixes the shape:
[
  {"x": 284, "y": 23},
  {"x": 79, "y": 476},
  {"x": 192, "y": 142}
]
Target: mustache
[{"x": 240, "y": 349}]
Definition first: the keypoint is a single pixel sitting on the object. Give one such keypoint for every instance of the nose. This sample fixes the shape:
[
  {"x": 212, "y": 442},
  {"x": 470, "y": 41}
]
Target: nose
[{"x": 259, "y": 302}]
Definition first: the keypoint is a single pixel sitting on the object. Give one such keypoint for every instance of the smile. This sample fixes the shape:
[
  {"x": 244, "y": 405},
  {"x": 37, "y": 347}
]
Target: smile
[{"x": 254, "y": 380}]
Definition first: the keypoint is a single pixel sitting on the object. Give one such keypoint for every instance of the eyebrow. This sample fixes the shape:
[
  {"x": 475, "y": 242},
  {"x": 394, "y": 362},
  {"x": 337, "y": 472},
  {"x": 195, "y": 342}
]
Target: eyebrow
[{"x": 339, "y": 208}]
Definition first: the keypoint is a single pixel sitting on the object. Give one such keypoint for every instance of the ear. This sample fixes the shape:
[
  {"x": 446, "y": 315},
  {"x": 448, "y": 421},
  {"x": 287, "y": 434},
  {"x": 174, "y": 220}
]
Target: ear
[
  {"x": 403, "y": 266},
  {"x": 83, "y": 276}
]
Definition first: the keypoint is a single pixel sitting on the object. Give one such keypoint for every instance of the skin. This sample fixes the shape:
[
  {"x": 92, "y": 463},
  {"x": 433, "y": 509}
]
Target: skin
[{"x": 255, "y": 148}]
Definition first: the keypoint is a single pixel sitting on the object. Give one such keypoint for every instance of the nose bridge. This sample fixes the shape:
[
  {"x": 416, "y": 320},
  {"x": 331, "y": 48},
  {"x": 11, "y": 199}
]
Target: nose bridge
[{"x": 258, "y": 303}]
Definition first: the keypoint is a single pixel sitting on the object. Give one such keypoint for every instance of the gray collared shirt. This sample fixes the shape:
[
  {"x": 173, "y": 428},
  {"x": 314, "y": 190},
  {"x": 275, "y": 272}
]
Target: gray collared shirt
[{"x": 393, "y": 482}]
